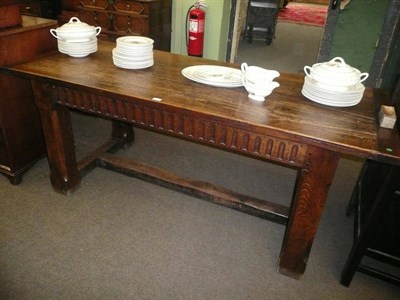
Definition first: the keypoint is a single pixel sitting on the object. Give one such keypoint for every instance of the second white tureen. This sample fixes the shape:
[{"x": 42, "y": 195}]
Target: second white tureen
[{"x": 336, "y": 73}]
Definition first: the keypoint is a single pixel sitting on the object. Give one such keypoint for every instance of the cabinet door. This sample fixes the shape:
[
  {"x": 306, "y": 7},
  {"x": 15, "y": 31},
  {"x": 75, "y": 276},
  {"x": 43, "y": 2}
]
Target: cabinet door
[
  {"x": 22, "y": 137},
  {"x": 99, "y": 4},
  {"x": 96, "y": 18},
  {"x": 30, "y": 8},
  {"x": 126, "y": 24},
  {"x": 70, "y": 5},
  {"x": 131, "y": 7},
  {"x": 4, "y": 158}
]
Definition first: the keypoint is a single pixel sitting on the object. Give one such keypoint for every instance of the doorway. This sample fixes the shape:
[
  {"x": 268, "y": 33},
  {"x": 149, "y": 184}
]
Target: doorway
[{"x": 295, "y": 44}]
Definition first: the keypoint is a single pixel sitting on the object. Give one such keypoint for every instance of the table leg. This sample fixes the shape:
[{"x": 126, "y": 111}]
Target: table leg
[
  {"x": 312, "y": 187},
  {"x": 57, "y": 128},
  {"x": 123, "y": 132}
]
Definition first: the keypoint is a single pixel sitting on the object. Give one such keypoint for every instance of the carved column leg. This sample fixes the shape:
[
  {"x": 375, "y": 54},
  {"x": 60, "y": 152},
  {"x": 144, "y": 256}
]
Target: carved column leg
[
  {"x": 57, "y": 128},
  {"x": 312, "y": 188}
]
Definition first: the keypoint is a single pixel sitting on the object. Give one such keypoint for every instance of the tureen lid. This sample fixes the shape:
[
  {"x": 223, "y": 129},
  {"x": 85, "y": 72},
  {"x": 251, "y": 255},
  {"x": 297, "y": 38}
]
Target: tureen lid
[
  {"x": 335, "y": 69},
  {"x": 75, "y": 25},
  {"x": 336, "y": 65}
]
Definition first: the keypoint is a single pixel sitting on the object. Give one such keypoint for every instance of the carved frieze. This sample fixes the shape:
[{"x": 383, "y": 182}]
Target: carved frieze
[{"x": 193, "y": 127}]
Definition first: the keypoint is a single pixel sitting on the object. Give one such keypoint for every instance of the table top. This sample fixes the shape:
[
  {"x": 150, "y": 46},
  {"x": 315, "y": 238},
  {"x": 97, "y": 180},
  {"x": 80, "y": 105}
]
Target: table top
[{"x": 286, "y": 113}]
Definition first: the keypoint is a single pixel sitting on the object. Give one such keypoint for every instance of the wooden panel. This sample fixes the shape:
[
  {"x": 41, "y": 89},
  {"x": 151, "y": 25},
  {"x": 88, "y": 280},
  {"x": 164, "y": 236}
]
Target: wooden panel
[
  {"x": 10, "y": 15},
  {"x": 100, "y": 4},
  {"x": 96, "y": 18},
  {"x": 25, "y": 42},
  {"x": 22, "y": 141},
  {"x": 31, "y": 8},
  {"x": 71, "y": 5},
  {"x": 131, "y": 25},
  {"x": 132, "y": 7}
]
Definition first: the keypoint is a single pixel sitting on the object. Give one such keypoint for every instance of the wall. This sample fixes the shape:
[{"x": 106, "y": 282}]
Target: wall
[
  {"x": 216, "y": 31},
  {"x": 357, "y": 31}
]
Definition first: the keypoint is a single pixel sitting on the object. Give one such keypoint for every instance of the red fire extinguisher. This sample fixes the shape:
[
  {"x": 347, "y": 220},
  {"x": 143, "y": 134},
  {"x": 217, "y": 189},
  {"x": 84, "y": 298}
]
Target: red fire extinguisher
[{"x": 195, "y": 32}]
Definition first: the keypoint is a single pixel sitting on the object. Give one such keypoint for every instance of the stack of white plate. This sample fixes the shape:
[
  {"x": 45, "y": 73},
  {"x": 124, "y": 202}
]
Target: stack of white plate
[
  {"x": 340, "y": 96},
  {"x": 77, "y": 48},
  {"x": 133, "y": 52}
]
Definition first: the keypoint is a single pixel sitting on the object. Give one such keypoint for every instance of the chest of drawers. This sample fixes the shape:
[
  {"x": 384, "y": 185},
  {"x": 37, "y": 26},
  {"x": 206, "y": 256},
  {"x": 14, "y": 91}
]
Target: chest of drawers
[{"x": 151, "y": 18}]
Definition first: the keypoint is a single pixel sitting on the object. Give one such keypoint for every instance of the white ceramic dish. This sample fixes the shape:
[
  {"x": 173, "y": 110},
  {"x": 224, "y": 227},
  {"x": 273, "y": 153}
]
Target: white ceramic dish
[
  {"x": 344, "y": 98},
  {"x": 323, "y": 101},
  {"x": 134, "y": 41},
  {"x": 75, "y": 31},
  {"x": 322, "y": 89},
  {"x": 132, "y": 56},
  {"x": 257, "y": 91},
  {"x": 258, "y": 75},
  {"x": 76, "y": 46},
  {"x": 336, "y": 73},
  {"x": 133, "y": 65},
  {"x": 78, "y": 53},
  {"x": 218, "y": 76}
]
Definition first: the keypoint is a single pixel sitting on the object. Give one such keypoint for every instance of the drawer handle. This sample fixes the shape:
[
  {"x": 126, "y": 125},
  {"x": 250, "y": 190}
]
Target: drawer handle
[{"x": 128, "y": 6}]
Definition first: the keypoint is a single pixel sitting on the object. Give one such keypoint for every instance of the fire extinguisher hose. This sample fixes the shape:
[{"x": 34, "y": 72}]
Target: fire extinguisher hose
[{"x": 186, "y": 26}]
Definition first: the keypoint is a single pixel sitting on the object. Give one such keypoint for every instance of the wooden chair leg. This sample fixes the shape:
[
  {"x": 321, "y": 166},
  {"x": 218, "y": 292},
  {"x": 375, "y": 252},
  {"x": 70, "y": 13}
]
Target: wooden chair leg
[{"x": 368, "y": 233}]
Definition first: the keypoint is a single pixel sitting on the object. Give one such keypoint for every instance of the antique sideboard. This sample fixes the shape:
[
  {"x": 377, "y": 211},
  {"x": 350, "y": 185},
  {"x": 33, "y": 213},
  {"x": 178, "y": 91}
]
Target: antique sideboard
[{"x": 21, "y": 137}]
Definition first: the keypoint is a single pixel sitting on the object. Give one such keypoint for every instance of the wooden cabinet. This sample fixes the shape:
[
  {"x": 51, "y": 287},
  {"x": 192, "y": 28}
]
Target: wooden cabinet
[
  {"x": 49, "y": 9},
  {"x": 151, "y": 18},
  {"x": 21, "y": 137}
]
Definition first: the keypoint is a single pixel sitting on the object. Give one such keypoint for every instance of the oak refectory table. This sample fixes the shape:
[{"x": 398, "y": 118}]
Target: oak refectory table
[{"x": 287, "y": 129}]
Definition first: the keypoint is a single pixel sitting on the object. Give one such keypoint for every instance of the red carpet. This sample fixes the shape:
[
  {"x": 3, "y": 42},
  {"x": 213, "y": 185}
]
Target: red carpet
[{"x": 314, "y": 15}]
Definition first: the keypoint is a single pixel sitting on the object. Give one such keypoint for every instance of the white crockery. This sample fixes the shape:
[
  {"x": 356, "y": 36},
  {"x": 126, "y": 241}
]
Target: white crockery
[
  {"x": 133, "y": 52},
  {"x": 134, "y": 42},
  {"x": 75, "y": 31},
  {"x": 336, "y": 73},
  {"x": 77, "y": 46},
  {"x": 331, "y": 97},
  {"x": 213, "y": 75},
  {"x": 257, "y": 74},
  {"x": 258, "y": 91},
  {"x": 76, "y": 49}
]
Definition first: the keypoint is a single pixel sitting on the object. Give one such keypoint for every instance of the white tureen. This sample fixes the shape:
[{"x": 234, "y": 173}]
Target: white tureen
[
  {"x": 336, "y": 73},
  {"x": 75, "y": 31}
]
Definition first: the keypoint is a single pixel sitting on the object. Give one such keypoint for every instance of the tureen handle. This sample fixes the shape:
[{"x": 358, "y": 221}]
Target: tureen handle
[
  {"x": 98, "y": 30},
  {"x": 74, "y": 19},
  {"x": 339, "y": 59},
  {"x": 363, "y": 76},
  {"x": 243, "y": 67},
  {"x": 307, "y": 70},
  {"x": 54, "y": 33}
]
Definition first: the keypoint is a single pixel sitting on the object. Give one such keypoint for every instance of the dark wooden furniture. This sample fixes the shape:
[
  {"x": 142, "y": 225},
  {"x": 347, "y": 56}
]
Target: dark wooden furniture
[
  {"x": 21, "y": 137},
  {"x": 151, "y": 18},
  {"x": 287, "y": 129},
  {"x": 376, "y": 203},
  {"x": 48, "y": 9},
  {"x": 10, "y": 14}
]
